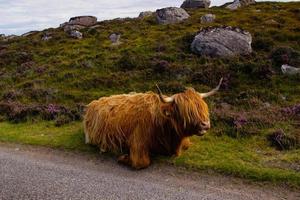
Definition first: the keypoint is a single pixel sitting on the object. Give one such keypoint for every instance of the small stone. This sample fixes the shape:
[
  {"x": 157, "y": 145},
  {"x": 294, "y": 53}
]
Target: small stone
[
  {"x": 208, "y": 18},
  {"x": 76, "y": 34},
  {"x": 289, "y": 70},
  {"x": 115, "y": 38},
  {"x": 46, "y": 37},
  {"x": 272, "y": 22}
]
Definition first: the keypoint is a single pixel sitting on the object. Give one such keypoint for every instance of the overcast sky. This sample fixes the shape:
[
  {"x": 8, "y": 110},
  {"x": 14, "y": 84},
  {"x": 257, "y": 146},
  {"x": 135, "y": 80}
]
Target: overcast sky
[{"x": 20, "y": 16}]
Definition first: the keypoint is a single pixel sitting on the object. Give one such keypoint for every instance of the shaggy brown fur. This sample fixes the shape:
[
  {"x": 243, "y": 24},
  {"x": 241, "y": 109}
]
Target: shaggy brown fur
[{"x": 142, "y": 124}]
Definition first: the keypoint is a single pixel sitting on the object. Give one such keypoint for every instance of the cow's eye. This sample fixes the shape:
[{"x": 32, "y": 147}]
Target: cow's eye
[{"x": 167, "y": 113}]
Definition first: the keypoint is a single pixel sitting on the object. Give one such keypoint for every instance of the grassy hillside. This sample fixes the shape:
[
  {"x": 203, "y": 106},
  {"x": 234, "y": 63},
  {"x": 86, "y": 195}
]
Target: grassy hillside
[{"x": 256, "y": 116}]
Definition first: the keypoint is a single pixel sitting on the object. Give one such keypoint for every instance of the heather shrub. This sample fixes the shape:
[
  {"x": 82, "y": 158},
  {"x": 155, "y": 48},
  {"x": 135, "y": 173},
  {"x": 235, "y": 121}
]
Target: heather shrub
[
  {"x": 285, "y": 55},
  {"x": 284, "y": 141}
]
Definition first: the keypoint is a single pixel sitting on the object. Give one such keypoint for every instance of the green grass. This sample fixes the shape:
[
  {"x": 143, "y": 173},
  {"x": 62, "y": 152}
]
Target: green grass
[
  {"x": 250, "y": 158},
  {"x": 247, "y": 158},
  {"x": 45, "y": 134}
]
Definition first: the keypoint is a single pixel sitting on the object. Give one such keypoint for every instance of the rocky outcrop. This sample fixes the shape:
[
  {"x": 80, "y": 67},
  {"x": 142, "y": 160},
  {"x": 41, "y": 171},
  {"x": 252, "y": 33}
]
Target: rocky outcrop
[
  {"x": 145, "y": 14},
  {"x": 195, "y": 4},
  {"x": 171, "y": 15},
  {"x": 78, "y": 23},
  {"x": 208, "y": 18},
  {"x": 83, "y": 21},
  {"x": 75, "y": 24},
  {"x": 240, "y": 3},
  {"x": 3, "y": 37},
  {"x": 222, "y": 42},
  {"x": 29, "y": 33}
]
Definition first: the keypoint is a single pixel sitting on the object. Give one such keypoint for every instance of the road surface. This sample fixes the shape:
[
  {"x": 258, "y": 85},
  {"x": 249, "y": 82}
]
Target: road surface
[{"x": 40, "y": 173}]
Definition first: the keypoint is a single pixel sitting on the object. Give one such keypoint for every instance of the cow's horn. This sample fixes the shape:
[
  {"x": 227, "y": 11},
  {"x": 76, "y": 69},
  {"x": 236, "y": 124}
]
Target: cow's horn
[
  {"x": 204, "y": 95},
  {"x": 164, "y": 99}
]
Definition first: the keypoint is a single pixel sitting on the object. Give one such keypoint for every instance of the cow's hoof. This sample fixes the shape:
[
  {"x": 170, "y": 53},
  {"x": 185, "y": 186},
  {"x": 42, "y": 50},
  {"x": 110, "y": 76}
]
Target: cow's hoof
[{"x": 124, "y": 159}]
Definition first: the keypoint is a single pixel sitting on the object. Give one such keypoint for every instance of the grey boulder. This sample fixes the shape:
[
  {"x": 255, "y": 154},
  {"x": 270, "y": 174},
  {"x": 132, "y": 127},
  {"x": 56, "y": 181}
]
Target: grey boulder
[
  {"x": 195, "y": 4},
  {"x": 222, "y": 42},
  {"x": 171, "y": 15},
  {"x": 239, "y": 3},
  {"x": 208, "y": 18},
  {"x": 83, "y": 21}
]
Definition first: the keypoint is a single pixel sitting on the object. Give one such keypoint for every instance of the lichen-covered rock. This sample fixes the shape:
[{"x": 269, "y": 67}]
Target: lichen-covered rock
[
  {"x": 83, "y": 21},
  {"x": 145, "y": 14},
  {"x": 208, "y": 18},
  {"x": 222, "y": 42},
  {"x": 171, "y": 15},
  {"x": 195, "y": 4}
]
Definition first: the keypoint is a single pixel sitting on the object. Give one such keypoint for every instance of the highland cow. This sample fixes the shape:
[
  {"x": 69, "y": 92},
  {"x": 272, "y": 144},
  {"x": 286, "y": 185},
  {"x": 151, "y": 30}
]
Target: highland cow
[{"x": 144, "y": 124}]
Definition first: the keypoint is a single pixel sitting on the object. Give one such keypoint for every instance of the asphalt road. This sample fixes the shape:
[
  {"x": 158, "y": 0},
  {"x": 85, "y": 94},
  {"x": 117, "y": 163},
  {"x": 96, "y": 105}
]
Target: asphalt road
[{"x": 40, "y": 173}]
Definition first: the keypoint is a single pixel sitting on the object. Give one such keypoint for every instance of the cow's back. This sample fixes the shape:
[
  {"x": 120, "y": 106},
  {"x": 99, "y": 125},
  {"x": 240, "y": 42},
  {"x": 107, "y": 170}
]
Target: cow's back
[{"x": 110, "y": 121}]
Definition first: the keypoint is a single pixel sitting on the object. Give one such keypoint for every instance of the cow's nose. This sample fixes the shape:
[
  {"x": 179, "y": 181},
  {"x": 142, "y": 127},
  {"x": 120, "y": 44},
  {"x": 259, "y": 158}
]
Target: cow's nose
[{"x": 205, "y": 125}]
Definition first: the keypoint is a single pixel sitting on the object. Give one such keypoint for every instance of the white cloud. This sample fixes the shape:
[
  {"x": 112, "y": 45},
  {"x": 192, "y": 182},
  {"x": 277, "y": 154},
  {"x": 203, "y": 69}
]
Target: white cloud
[{"x": 20, "y": 16}]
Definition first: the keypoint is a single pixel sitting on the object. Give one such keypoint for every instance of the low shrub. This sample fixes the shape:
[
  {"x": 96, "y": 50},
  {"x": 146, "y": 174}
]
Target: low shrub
[
  {"x": 284, "y": 141},
  {"x": 285, "y": 55}
]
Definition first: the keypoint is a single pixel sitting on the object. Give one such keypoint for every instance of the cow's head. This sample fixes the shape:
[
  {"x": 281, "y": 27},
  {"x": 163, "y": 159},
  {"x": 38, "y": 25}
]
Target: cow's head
[{"x": 188, "y": 111}]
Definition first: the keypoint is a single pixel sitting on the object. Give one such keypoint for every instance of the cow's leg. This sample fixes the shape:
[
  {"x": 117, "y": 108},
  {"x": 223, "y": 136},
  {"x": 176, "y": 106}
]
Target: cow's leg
[
  {"x": 184, "y": 145},
  {"x": 138, "y": 156}
]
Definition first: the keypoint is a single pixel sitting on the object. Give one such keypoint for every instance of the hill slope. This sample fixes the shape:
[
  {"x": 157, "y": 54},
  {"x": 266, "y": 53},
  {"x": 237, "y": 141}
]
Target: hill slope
[{"x": 53, "y": 79}]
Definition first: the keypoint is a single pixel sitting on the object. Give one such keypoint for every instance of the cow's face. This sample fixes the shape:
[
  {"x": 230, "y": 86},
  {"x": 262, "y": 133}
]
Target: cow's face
[
  {"x": 192, "y": 112},
  {"x": 188, "y": 110}
]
